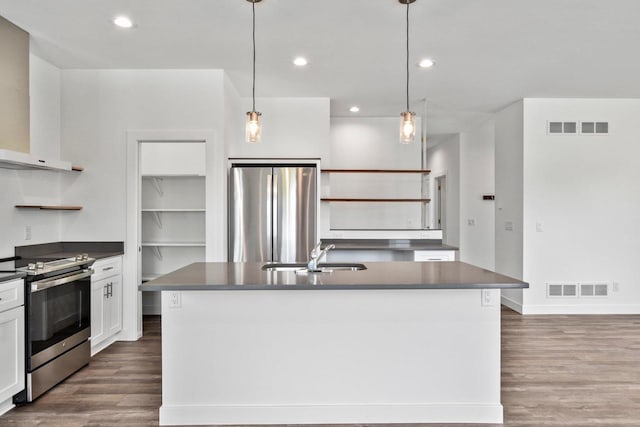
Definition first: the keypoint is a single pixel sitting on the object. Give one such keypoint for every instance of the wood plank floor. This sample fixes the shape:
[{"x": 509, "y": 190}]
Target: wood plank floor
[{"x": 573, "y": 371}]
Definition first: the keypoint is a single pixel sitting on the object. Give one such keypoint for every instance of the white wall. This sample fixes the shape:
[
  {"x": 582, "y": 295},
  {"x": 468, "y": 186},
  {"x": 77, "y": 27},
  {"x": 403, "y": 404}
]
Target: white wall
[
  {"x": 35, "y": 186},
  {"x": 477, "y": 178},
  {"x": 444, "y": 160},
  {"x": 509, "y": 198},
  {"x": 291, "y": 128},
  {"x": 99, "y": 107},
  {"x": 582, "y": 190}
]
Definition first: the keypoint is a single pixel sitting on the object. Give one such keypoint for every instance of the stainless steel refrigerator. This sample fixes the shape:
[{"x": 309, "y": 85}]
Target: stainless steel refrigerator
[{"x": 272, "y": 212}]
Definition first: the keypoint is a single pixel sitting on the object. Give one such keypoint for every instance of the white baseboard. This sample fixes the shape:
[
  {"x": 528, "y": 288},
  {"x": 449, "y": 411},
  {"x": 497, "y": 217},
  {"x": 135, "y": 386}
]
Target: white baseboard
[
  {"x": 6, "y": 406},
  {"x": 513, "y": 305},
  {"x": 330, "y": 414},
  {"x": 581, "y": 309},
  {"x": 103, "y": 344}
]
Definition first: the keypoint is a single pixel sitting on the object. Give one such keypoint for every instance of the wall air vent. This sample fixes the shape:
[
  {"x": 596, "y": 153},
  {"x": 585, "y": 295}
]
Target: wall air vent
[
  {"x": 594, "y": 128},
  {"x": 587, "y": 289},
  {"x": 594, "y": 289},
  {"x": 562, "y": 290},
  {"x": 557, "y": 128}
]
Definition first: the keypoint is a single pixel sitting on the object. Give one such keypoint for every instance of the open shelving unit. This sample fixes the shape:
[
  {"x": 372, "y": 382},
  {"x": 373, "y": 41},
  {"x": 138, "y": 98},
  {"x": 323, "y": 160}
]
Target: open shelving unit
[
  {"x": 172, "y": 211},
  {"x": 57, "y": 166},
  {"x": 377, "y": 192}
]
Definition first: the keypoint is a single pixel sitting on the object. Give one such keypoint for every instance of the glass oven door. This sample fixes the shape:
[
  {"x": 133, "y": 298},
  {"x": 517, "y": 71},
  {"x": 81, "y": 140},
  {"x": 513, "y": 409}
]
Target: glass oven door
[{"x": 59, "y": 308}]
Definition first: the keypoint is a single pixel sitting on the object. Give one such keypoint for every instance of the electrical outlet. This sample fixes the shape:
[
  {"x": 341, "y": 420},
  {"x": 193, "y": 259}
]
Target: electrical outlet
[
  {"x": 615, "y": 286},
  {"x": 27, "y": 232},
  {"x": 539, "y": 227},
  {"x": 508, "y": 226},
  {"x": 175, "y": 299}
]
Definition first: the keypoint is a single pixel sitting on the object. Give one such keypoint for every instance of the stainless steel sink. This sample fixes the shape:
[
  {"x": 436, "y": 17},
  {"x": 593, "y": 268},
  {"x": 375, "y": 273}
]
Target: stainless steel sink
[{"x": 322, "y": 267}]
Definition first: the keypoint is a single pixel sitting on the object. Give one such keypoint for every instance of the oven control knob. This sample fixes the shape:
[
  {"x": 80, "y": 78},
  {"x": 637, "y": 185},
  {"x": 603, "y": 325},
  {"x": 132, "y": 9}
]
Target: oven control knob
[
  {"x": 31, "y": 266},
  {"x": 40, "y": 265},
  {"x": 78, "y": 257},
  {"x": 85, "y": 257}
]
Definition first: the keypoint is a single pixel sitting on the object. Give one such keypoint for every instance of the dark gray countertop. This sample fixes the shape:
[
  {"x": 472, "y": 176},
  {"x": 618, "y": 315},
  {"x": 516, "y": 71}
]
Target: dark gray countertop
[
  {"x": 5, "y": 276},
  {"x": 57, "y": 250},
  {"x": 93, "y": 254},
  {"x": 378, "y": 275},
  {"x": 389, "y": 244}
]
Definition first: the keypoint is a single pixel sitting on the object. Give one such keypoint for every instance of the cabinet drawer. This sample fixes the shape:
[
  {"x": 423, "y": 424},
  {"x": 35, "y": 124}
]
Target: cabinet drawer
[
  {"x": 11, "y": 294},
  {"x": 107, "y": 267}
]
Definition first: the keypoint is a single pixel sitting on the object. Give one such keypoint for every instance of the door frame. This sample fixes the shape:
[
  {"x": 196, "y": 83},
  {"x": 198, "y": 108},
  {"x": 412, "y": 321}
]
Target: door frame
[
  {"x": 434, "y": 205},
  {"x": 215, "y": 220}
]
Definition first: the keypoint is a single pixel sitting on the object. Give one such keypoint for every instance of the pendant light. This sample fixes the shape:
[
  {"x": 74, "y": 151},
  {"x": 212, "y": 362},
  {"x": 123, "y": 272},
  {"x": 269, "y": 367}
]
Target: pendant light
[
  {"x": 407, "y": 118},
  {"x": 253, "y": 127}
]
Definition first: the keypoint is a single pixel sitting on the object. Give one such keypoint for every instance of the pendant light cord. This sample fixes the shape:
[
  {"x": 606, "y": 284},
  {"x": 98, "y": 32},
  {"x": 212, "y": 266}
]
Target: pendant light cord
[
  {"x": 407, "y": 56},
  {"x": 253, "y": 9}
]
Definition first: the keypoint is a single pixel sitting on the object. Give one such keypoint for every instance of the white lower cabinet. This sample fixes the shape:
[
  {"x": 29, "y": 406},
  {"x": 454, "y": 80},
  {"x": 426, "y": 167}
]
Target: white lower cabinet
[
  {"x": 106, "y": 302},
  {"x": 442, "y": 255},
  {"x": 12, "y": 339}
]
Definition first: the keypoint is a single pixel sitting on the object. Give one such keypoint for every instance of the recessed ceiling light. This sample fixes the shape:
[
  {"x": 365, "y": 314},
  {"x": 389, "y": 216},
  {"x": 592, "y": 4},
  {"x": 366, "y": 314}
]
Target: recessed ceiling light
[
  {"x": 354, "y": 109},
  {"x": 123, "y": 22},
  {"x": 300, "y": 61},
  {"x": 426, "y": 63}
]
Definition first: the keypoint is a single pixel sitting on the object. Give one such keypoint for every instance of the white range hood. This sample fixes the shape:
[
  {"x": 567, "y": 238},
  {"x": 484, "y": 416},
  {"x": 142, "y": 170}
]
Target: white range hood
[{"x": 16, "y": 160}]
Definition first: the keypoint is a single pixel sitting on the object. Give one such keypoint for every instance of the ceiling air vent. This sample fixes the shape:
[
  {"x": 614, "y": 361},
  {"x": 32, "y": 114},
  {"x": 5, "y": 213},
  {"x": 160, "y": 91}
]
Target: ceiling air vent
[
  {"x": 594, "y": 128},
  {"x": 557, "y": 128}
]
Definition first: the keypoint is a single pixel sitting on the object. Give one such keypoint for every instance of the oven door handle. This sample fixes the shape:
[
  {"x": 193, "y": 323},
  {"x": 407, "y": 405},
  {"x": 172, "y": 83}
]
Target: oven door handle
[{"x": 46, "y": 284}]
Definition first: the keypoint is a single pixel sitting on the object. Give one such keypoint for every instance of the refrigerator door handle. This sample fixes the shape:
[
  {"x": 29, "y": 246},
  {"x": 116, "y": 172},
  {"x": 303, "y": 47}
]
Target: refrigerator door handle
[
  {"x": 269, "y": 226},
  {"x": 276, "y": 248}
]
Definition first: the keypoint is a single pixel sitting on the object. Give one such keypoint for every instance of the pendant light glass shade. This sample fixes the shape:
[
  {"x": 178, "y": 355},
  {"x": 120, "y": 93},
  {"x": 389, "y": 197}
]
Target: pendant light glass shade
[
  {"x": 407, "y": 127},
  {"x": 253, "y": 128}
]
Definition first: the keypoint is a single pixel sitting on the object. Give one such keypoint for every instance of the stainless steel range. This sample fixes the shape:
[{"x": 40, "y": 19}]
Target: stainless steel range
[{"x": 58, "y": 316}]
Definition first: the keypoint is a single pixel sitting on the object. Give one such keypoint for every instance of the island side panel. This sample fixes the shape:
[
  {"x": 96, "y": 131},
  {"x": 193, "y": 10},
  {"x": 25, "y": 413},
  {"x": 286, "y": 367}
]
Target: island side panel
[{"x": 330, "y": 356}]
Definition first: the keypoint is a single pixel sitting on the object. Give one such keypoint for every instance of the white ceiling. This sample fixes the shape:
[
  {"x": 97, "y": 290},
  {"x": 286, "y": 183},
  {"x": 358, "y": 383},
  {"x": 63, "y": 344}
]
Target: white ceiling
[{"x": 489, "y": 53}]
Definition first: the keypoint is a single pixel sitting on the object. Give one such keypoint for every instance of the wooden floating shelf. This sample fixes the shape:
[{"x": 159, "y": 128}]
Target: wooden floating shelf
[
  {"x": 50, "y": 207},
  {"x": 77, "y": 168},
  {"x": 420, "y": 171},
  {"x": 344, "y": 199}
]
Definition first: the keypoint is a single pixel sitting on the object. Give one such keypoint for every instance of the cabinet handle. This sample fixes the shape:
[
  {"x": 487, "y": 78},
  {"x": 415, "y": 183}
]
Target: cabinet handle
[{"x": 107, "y": 268}]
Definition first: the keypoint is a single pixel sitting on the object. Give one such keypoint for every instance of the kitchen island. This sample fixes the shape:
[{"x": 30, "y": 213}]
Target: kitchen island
[{"x": 399, "y": 342}]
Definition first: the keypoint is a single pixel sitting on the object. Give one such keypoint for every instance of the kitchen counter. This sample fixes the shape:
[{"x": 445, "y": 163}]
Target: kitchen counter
[
  {"x": 5, "y": 276},
  {"x": 404, "y": 342},
  {"x": 221, "y": 276},
  {"x": 389, "y": 244},
  {"x": 52, "y": 251}
]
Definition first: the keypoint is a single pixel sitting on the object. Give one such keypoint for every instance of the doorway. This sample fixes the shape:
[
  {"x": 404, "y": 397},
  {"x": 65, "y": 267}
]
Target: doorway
[{"x": 441, "y": 204}]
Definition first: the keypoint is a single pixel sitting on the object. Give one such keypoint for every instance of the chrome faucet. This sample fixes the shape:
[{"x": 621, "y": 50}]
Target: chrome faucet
[{"x": 316, "y": 256}]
